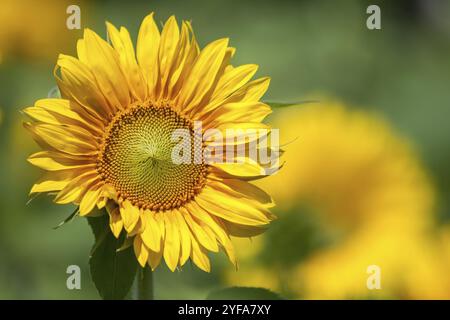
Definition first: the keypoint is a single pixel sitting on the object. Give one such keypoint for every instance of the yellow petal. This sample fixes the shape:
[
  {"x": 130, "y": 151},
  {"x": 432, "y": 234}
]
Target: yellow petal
[
  {"x": 159, "y": 218},
  {"x": 183, "y": 60},
  {"x": 232, "y": 80},
  {"x": 78, "y": 84},
  {"x": 171, "y": 241},
  {"x": 168, "y": 50},
  {"x": 201, "y": 232},
  {"x": 53, "y": 181},
  {"x": 199, "y": 257},
  {"x": 232, "y": 209},
  {"x": 154, "y": 258},
  {"x": 62, "y": 111},
  {"x": 203, "y": 74},
  {"x": 115, "y": 221},
  {"x": 139, "y": 227},
  {"x": 245, "y": 136},
  {"x": 130, "y": 215},
  {"x": 39, "y": 114},
  {"x": 53, "y": 161},
  {"x": 140, "y": 251},
  {"x": 253, "y": 91},
  {"x": 216, "y": 226},
  {"x": 147, "y": 52},
  {"x": 225, "y": 240},
  {"x": 151, "y": 234},
  {"x": 237, "y": 112},
  {"x": 90, "y": 199},
  {"x": 244, "y": 167},
  {"x": 76, "y": 188},
  {"x": 123, "y": 45},
  {"x": 185, "y": 238},
  {"x": 64, "y": 139},
  {"x": 101, "y": 203},
  {"x": 104, "y": 63},
  {"x": 243, "y": 189},
  {"x": 241, "y": 231}
]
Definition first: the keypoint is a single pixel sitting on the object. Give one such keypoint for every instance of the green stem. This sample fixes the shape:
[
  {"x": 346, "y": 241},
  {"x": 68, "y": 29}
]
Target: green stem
[{"x": 145, "y": 284}]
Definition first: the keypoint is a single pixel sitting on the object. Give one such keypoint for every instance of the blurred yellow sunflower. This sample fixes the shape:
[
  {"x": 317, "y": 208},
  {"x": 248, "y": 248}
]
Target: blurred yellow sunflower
[
  {"x": 35, "y": 31},
  {"x": 108, "y": 142},
  {"x": 372, "y": 203},
  {"x": 349, "y": 164}
]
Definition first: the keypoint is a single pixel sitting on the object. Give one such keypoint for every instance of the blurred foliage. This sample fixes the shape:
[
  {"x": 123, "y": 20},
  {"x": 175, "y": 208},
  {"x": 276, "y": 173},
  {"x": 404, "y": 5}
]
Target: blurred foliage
[
  {"x": 299, "y": 235},
  {"x": 307, "y": 47},
  {"x": 242, "y": 293}
]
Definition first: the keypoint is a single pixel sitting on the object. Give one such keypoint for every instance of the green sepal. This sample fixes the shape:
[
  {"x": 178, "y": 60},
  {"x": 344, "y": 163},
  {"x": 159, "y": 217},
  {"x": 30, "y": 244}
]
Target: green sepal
[{"x": 70, "y": 218}]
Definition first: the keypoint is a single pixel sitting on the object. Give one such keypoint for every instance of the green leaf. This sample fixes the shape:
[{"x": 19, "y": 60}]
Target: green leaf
[
  {"x": 112, "y": 271},
  {"x": 276, "y": 105},
  {"x": 243, "y": 293}
]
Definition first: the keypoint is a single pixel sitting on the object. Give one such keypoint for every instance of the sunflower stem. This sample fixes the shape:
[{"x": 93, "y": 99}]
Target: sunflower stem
[{"x": 145, "y": 284}]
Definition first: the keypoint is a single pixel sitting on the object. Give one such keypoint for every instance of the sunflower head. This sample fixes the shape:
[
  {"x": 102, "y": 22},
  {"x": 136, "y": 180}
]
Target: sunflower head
[
  {"x": 109, "y": 141},
  {"x": 136, "y": 158}
]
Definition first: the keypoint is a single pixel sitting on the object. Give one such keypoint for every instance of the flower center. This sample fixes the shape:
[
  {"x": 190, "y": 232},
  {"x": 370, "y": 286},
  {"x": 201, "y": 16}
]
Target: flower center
[{"x": 136, "y": 158}]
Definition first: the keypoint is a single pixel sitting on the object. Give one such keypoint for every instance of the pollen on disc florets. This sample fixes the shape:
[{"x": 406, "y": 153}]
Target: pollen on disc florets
[{"x": 136, "y": 158}]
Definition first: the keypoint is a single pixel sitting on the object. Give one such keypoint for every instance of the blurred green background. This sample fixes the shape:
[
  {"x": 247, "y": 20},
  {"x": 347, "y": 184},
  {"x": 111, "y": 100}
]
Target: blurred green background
[{"x": 307, "y": 47}]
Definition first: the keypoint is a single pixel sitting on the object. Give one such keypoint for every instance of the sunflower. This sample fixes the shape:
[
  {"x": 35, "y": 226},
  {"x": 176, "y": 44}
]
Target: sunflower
[
  {"x": 38, "y": 38},
  {"x": 108, "y": 142},
  {"x": 373, "y": 170}
]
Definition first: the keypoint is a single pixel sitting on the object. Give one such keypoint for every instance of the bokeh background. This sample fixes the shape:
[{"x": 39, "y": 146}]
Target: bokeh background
[{"x": 366, "y": 179}]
